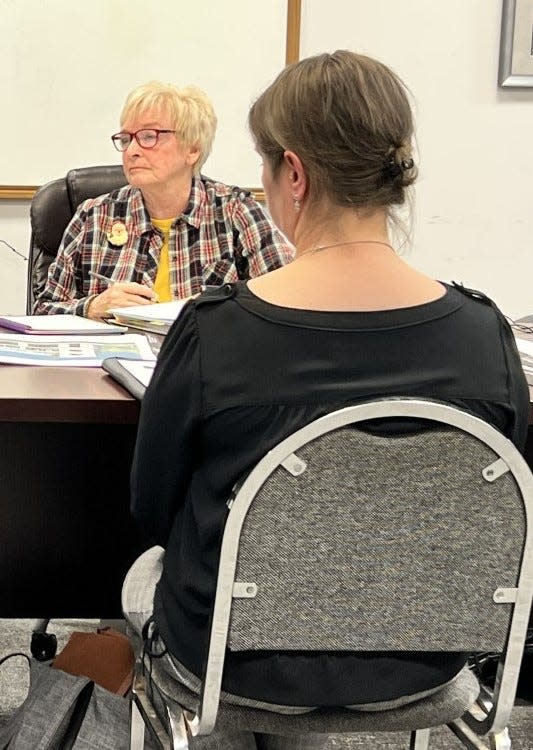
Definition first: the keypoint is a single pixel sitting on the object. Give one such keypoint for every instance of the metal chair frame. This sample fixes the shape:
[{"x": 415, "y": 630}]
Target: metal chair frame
[{"x": 490, "y": 715}]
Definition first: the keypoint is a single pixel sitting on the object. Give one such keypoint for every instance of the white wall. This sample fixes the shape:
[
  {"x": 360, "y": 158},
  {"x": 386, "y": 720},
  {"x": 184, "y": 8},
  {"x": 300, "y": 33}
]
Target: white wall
[
  {"x": 14, "y": 229},
  {"x": 474, "y": 209},
  {"x": 67, "y": 65},
  {"x": 474, "y": 213}
]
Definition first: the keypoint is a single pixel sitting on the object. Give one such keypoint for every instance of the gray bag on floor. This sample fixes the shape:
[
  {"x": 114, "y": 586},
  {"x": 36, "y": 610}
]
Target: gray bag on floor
[{"x": 63, "y": 712}]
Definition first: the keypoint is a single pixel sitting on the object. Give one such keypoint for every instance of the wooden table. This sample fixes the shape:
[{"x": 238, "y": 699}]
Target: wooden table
[
  {"x": 63, "y": 394},
  {"x": 67, "y": 539}
]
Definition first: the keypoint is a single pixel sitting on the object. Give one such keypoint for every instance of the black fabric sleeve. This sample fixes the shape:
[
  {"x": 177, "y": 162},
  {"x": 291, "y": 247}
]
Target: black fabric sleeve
[
  {"x": 168, "y": 430},
  {"x": 512, "y": 414},
  {"x": 517, "y": 385}
]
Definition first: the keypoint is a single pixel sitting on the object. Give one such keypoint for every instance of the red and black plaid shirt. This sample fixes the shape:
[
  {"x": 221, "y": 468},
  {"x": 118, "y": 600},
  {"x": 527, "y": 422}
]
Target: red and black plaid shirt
[{"x": 223, "y": 235}]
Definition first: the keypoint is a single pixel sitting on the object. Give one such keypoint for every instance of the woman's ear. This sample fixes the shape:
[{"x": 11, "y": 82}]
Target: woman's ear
[
  {"x": 193, "y": 155},
  {"x": 296, "y": 174}
]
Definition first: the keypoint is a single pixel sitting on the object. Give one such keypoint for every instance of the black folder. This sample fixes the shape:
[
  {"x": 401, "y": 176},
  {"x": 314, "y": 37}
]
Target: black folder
[{"x": 133, "y": 374}]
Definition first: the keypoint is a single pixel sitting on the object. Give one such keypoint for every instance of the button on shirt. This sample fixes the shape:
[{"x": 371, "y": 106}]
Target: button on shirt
[{"x": 223, "y": 235}]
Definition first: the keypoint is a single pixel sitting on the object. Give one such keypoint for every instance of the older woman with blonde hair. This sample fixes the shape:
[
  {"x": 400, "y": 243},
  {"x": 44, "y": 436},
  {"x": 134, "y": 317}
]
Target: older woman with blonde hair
[
  {"x": 247, "y": 364},
  {"x": 169, "y": 232}
]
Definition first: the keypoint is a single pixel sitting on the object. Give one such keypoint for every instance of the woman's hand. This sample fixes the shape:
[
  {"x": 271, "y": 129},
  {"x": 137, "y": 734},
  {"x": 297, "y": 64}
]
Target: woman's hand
[{"x": 120, "y": 295}]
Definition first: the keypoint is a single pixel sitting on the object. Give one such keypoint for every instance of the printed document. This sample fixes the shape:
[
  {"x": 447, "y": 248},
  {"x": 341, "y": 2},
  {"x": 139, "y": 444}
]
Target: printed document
[{"x": 72, "y": 351}]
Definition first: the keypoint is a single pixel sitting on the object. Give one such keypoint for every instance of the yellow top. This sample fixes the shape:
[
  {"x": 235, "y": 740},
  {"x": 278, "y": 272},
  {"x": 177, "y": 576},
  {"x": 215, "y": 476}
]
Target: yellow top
[{"x": 162, "y": 279}]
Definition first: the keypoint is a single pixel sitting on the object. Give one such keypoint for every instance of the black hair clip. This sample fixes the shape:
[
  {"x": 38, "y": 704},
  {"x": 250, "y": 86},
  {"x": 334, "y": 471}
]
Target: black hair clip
[{"x": 392, "y": 169}]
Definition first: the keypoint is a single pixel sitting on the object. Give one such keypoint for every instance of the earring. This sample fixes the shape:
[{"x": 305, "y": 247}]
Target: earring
[{"x": 297, "y": 204}]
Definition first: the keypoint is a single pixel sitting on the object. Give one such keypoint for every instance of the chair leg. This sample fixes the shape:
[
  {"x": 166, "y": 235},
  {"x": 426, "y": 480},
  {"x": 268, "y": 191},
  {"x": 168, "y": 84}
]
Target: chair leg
[
  {"x": 43, "y": 645},
  {"x": 419, "y": 739},
  {"x": 472, "y": 741},
  {"x": 136, "y": 728},
  {"x": 143, "y": 709},
  {"x": 500, "y": 741},
  {"x": 178, "y": 729}
]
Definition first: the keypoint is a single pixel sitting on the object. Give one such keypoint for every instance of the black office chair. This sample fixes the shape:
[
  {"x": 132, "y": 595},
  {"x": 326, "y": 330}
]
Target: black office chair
[{"x": 52, "y": 208}]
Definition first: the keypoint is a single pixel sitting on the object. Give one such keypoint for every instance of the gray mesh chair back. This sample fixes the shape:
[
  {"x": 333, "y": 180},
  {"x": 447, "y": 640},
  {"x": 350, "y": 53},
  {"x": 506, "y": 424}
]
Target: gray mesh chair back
[{"x": 342, "y": 538}]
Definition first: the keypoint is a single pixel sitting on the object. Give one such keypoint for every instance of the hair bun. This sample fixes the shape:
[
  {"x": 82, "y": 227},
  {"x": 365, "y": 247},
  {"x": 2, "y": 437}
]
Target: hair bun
[{"x": 393, "y": 169}]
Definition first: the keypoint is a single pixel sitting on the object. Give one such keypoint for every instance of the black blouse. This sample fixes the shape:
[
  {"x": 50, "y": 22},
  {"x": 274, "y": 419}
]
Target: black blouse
[{"x": 235, "y": 376}]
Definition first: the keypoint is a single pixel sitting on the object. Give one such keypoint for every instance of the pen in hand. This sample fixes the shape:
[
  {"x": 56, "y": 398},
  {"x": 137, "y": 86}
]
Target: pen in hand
[
  {"x": 101, "y": 276},
  {"x": 109, "y": 282}
]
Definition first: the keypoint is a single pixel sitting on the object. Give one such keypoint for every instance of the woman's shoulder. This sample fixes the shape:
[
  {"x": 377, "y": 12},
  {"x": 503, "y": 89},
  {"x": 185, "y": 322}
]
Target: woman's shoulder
[
  {"x": 215, "y": 294},
  {"x": 477, "y": 305},
  {"x": 472, "y": 294},
  {"x": 230, "y": 199},
  {"x": 217, "y": 189},
  {"x": 124, "y": 195},
  {"x": 205, "y": 307},
  {"x": 214, "y": 315},
  {"x": 124, "y": 206}
]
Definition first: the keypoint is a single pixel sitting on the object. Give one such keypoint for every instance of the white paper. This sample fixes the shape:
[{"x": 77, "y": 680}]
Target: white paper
[
  {"x": 161, "y": 311},
  {"x": 525, "y": 346},
  {"x": 58, "y": 325},
  {"x": 165, "y": 312},
  {"x": 71, "y": 351}
]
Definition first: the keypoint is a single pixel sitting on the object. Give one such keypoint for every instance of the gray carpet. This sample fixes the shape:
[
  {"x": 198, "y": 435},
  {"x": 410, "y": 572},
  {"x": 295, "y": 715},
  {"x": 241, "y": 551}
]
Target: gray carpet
[{"x": 15, "y": 636}]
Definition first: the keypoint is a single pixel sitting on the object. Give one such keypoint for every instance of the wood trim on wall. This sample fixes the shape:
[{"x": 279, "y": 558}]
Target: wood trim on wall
[
  {"x": 26, "y": 192},
  {"x": 292, "y": 48},
  {"x": 292, "y": 54},
  {"x": 17, "y": 192}
]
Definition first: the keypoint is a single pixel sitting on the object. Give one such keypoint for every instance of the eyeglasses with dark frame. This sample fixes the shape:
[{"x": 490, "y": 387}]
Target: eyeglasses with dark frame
[{"x": 146, "y": 138}]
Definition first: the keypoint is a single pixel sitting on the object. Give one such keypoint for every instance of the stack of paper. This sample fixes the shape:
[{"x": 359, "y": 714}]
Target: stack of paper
[
  {"x": 156, "y": 318},
  {"x": 57, "y": 325}
]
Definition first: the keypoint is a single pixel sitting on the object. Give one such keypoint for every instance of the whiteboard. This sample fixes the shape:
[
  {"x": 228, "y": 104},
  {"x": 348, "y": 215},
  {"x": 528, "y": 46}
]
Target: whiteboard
[{"x": 66, "y": 67}]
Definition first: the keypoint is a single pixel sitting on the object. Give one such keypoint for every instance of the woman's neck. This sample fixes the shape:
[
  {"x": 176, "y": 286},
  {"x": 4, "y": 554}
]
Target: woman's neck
[
  {"x": 342, "y": 227},
  {"x": 166, "y": 201},
  {"x": 345, "y": 262}
]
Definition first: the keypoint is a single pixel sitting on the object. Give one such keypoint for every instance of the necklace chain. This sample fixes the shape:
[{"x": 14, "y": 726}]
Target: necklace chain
[{"x": 338, "y": 244}]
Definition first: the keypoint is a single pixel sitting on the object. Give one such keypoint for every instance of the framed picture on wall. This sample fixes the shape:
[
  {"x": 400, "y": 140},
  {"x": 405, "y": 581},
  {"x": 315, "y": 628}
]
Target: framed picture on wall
[{"x": 516, "y": 44}]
